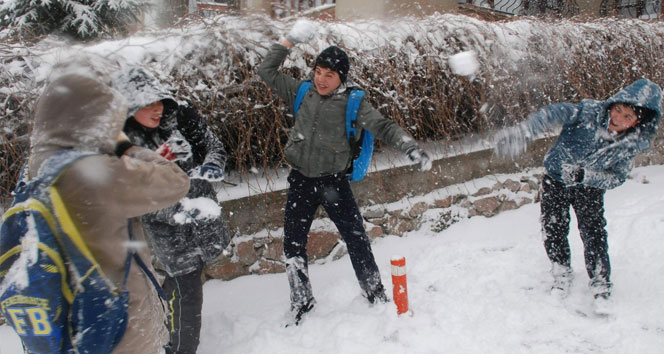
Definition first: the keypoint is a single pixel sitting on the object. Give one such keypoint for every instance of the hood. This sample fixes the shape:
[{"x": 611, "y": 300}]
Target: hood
[
  {"x": 76, "y": 111},
  {"x": 140, "y": 88},
  {"x": 642, "y": 93}
]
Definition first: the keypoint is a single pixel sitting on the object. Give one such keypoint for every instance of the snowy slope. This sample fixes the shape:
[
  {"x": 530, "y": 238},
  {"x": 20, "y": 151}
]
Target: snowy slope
[{"x": 478, "y": 287}]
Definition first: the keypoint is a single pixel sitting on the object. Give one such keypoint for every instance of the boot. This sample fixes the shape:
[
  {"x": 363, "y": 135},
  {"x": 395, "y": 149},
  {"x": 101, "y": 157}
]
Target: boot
[
  {"x": 562, "y": 280},
  {"x": 377, "y": 295},
  {"x": 298, "y": 310}
]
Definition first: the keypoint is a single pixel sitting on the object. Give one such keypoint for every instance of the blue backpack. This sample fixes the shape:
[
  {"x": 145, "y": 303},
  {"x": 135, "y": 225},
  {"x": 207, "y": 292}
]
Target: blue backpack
[
  {"x": 52, "y": 290},
  {"x": 362, "y": 147}
]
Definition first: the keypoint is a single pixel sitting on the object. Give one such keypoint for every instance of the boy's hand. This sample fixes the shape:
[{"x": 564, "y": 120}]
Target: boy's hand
[
  {"x": 573, "y": 174},
  {"x": 302, "y": 31},
  {"x": 421, "y": 157},
  {"x": 511, "y": 142},
  {"x": 175, "y": 149},
  {"x": 208, "y": 172}
]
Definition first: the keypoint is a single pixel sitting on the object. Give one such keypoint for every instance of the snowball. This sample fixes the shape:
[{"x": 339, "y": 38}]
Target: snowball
[{"x": 464, "y": 63}]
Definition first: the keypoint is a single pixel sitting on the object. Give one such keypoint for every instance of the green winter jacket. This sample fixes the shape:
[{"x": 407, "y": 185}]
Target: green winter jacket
[{"x": 317, "y": 144}]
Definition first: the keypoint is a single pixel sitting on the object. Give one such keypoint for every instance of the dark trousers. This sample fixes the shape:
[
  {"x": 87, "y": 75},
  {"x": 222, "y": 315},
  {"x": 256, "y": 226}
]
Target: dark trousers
[
  {"x": 588, "y": 204},
  {"x": 335, "y": 195},
  {"x": 185, "y": 301}
]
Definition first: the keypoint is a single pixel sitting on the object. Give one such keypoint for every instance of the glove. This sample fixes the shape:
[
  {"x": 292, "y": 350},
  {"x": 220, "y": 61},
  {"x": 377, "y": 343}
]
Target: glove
[
  {"x": 573, "y": 174},
  {"x": 208, "y": 172},
  {"x": 302, "y": 31},
  {"x": 175, "y": 148},
  {"x": 419, "y": 156},
  {"x": 512, "y": 142}
]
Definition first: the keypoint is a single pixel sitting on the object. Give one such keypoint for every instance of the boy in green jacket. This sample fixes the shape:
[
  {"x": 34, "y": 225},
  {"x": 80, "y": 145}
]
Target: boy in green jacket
[{"x": 320, "y": 155}]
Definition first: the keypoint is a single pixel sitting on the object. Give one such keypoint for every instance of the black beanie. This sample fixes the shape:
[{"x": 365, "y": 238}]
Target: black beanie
[{"x": 336, "y": 59}]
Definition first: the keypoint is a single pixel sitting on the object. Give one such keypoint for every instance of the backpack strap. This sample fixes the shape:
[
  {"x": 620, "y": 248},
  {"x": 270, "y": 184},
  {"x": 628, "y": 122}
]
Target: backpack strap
[
  {"x": 361, "y": 162},
  {"x": 132, "y": 254},
  {"x": 352, "y": 107},
  {"x": 301, "y": 91}
]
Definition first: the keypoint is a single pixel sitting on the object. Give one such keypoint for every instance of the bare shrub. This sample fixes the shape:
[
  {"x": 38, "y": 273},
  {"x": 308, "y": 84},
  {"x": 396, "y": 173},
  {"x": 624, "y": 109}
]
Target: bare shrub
[{"x": 402, "y": 64}]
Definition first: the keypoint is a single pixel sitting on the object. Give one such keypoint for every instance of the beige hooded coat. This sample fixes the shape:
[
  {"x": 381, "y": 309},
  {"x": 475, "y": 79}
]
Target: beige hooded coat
[{"x": 102, "y": 192}]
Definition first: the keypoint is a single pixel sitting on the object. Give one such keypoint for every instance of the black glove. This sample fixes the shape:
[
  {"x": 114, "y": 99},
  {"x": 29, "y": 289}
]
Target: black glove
[{"x": 573, "y": 174}]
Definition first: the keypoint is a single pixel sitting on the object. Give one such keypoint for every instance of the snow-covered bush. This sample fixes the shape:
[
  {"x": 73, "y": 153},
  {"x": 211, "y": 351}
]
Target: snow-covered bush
[
  {"x": 403, "y": 64},
  {"x": 82, "y": 19}
]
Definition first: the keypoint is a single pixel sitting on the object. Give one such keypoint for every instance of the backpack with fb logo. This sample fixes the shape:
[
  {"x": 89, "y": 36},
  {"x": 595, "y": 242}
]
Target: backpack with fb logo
[
  {"x": 362, "y": 147},
  {"x": 52, "y": 290}
]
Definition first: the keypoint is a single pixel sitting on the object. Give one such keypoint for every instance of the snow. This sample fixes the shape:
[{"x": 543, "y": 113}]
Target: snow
[
  {"x": 464, "y": 63},
  {"x": 480, "y": 286},
  {"x": 193, "y": 209},
  {"x": 17, "y": 274}
]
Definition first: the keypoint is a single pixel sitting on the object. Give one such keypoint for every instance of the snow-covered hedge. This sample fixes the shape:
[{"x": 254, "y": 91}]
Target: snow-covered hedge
[{"x": 402, "y": 63}]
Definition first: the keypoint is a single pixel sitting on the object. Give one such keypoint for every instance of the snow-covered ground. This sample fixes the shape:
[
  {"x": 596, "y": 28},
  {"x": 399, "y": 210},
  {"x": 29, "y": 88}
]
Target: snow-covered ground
[{"x": 480, "y": 286}]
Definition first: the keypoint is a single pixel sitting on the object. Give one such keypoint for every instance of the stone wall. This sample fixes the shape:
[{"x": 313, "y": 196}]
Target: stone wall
[{"x": 393, "y": 202}]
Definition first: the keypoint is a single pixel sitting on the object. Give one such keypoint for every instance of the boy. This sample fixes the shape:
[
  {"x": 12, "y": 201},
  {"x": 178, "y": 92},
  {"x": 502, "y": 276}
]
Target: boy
[
  {"x": 102, "y": 192},
  {"x": 320, "y": 155},
  {"x": 594, "y": 152},
  {"x": 157, "y": 122}
]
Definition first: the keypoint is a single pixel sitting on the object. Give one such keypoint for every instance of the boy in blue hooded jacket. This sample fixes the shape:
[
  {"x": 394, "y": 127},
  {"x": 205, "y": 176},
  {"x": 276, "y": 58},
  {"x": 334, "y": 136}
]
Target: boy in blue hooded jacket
[{"x": 594, "y": 152}]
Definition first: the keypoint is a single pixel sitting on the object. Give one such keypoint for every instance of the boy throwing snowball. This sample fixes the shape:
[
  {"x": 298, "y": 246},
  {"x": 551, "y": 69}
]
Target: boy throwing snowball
[{"x": 594, "y": 152}]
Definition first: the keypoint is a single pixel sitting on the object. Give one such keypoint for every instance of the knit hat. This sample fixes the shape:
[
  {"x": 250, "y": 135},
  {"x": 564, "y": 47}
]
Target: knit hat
[{"x": 336, "y": 59}]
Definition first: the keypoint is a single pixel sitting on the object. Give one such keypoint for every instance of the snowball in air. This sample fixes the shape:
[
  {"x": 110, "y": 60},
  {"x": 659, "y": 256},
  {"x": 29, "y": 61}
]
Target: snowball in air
[{"x": 464, "y": 63}]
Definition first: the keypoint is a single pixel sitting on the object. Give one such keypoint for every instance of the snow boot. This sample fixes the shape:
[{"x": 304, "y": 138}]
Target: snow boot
[
  {"x": 377, "y": 295},
  {"x": 298, "y": 310},
  {"x": 602, "y": 305},
  {"x": 562, "y": 280},
  {"x": 601, "y": 290}
]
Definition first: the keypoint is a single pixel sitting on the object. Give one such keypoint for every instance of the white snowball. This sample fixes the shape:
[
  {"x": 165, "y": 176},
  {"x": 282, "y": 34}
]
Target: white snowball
[{"x": 464, "y": 63}]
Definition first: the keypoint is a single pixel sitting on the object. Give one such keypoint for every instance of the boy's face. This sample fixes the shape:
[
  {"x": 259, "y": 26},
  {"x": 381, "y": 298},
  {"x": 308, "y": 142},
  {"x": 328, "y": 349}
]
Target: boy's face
[
  {"x": 150, "y": 115},
  {"x": 621, "y": 118},
  {"x": 326, "y": 80}
]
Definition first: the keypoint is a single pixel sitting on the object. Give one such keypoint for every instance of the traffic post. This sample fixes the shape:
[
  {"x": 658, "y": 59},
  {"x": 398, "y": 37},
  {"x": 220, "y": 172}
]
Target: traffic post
[{"x": 400, "y": 288}]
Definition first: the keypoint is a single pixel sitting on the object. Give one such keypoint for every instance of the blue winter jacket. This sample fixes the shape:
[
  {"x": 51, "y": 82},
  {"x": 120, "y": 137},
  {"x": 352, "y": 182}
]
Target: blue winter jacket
[{"x": 585, "y": 140}]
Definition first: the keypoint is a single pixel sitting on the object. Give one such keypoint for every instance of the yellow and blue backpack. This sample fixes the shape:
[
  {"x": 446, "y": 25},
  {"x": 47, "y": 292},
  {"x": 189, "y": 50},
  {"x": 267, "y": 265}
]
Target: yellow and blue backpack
[{"x": 52, "y": 290}]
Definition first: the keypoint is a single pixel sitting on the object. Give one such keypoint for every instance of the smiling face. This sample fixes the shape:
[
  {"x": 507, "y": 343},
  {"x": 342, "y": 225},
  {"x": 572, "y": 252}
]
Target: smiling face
[
  {"x": 621, "y": 118},
  {"x": 150, "y": 115},
  {"x": 326, "y": 80}
]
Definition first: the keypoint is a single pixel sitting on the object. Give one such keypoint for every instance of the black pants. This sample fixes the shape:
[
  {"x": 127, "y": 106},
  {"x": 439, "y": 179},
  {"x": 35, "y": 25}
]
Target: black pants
[
  {"x": 185, "y": 301},
  {"x": 588, "y": 204},
  {"x": 335, "y": 195}
]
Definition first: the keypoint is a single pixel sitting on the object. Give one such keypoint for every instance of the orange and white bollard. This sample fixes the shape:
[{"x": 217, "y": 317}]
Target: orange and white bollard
[{"x": 400, "y": 288}]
